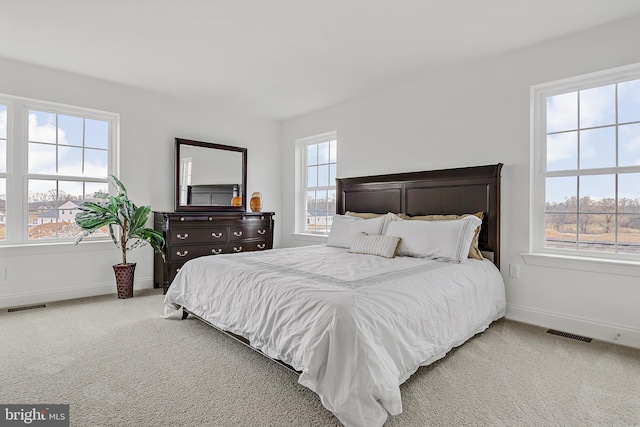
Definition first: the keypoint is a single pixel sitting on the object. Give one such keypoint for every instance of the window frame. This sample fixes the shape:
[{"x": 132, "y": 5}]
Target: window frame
[
  {"x": 302, "y": 168},
  {"x": 8, "y": 166},
  {"x": 538, "y": 173},
  {"x": 17, "y": 174}
]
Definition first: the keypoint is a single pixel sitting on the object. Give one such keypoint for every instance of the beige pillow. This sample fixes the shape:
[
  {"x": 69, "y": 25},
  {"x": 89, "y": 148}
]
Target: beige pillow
[
  {"x": 474, "y": 250},
  {"x": 367, "y": 215},
  {"x": 363, "y": 215}
]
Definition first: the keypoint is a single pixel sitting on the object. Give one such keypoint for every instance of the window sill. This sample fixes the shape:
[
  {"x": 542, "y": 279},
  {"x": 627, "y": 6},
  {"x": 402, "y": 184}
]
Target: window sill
[
  {"x": 55, "y": 247},
  {"x": 595, "y": 265}
]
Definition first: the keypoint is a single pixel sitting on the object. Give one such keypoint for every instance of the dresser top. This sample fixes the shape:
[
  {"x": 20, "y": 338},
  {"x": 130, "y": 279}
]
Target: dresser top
[{"x": 216, "y": 213}]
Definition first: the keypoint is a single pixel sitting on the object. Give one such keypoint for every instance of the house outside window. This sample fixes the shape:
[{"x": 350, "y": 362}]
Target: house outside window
[
  {"x": 317, "y": 195},
  {"x": 67, "y": 152},
  {"x": 586, "y": 166}
]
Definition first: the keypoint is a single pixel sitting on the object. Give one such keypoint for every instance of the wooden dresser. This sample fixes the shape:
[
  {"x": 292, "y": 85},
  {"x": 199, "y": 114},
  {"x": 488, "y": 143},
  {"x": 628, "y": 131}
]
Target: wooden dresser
[{"x": 190, "y": 235}]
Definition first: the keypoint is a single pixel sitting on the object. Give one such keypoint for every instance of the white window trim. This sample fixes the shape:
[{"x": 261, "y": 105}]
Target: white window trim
[
  {"x": 17, "y": 164},
  {"x": 301, "y": 177},
  {"x": 538, "y": 255}
]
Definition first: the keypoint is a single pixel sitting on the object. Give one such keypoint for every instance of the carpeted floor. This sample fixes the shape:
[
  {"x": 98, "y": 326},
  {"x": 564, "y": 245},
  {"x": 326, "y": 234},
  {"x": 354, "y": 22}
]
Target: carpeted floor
[{"x": 119, "y": 363}]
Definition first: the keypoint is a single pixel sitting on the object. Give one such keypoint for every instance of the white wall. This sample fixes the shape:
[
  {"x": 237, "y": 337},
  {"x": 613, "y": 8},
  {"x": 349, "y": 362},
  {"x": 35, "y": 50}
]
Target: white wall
[
  {"x": 474, "y": 115},
  {"x": 149, "y": 124}
]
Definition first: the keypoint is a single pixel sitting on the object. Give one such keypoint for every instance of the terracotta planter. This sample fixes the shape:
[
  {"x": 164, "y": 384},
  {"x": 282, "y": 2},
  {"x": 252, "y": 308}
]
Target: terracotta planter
[{"x": 124, "y": 279}]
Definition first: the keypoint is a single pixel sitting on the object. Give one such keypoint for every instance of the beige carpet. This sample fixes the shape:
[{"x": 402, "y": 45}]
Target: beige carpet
[{"x": 119, "y": 363}]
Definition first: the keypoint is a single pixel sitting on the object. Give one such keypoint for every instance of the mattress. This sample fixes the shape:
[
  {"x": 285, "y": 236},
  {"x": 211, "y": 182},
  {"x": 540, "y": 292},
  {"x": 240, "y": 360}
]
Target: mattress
[{"x": 356, "y": 326}]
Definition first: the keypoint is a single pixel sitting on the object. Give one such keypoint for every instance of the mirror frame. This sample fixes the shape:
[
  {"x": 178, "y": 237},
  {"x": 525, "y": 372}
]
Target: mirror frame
[{"x": 217, "y": 208}]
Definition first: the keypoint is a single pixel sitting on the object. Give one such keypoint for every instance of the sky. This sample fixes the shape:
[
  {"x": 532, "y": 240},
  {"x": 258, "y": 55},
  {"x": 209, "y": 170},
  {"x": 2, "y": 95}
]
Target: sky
[
  {"x": 581, "y": 134},
  {"x": 322, "y": 155},
  {"x": 74, "y": 159}
]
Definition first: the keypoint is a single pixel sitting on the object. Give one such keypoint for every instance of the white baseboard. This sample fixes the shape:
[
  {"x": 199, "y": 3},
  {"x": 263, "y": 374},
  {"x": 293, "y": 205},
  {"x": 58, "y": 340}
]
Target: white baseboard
[
  {"x": 575, "y": 325},
  {"x": 41, "y": 297}
]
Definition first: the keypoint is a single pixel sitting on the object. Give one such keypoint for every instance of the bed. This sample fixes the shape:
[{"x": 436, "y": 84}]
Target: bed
[{"x": 354, "y": 325}]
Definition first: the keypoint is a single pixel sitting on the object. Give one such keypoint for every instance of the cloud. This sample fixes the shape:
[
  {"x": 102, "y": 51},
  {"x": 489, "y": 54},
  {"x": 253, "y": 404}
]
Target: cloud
[
  {"x": 42, "y": 159},
  {"x": 629, "y": 145},
  {"x": 562, "y": 112},
  {"x": 41, "y": 132},
  {"x": 562, "y": 146},
  {"x": 42, "y": 156},
  {"x": 598, "y": 106},
  {"x": 629, "y": 101}
]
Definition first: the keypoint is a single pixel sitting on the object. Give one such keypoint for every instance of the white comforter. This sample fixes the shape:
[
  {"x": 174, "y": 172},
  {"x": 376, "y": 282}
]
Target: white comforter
[{"x": 356, "y": 326}]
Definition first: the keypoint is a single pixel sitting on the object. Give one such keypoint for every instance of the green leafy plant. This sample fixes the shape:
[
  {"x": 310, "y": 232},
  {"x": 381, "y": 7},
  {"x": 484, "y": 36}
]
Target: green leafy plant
[{"x": 125, "y": 221}]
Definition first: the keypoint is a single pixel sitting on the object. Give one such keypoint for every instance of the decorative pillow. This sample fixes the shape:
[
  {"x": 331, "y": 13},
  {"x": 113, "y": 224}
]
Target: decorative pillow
[
  {"x": 375, "y": 244},
  {"x": 345, "y": 227},
  {"x": 447, "y": 240},
  {"x": 474, "y": 250}
]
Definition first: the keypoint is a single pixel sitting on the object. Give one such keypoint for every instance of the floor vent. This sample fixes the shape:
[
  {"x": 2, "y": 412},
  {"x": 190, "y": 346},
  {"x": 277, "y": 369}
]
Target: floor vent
[
  {"x": 27, "y": 307},
  {"x": 566, "y": 335}
]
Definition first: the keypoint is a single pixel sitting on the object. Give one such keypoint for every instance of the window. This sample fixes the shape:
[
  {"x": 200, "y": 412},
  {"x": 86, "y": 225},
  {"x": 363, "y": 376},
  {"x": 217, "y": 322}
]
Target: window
[
  {"x": 586, "y": 166},
  {"x": 56, "y": 157},
  {"x": 3, "y": 172},
  {"x": 317, "y": 198}
]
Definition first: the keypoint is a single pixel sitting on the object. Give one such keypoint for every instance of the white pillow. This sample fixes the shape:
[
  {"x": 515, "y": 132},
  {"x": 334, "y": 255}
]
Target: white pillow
[
  {"x": 375, "y": 244},
  {"x": 447, "y": 240},
  {"x": 344, "y": 228}
]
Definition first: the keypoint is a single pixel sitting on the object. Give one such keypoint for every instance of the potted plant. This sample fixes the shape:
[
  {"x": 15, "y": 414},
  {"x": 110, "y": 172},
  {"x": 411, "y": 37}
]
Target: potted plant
[{"x": 126, "y": 224}]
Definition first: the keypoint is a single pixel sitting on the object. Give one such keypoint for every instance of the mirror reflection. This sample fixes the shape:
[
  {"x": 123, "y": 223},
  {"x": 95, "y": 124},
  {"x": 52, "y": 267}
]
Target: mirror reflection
[{"x": 209, "y": 176}]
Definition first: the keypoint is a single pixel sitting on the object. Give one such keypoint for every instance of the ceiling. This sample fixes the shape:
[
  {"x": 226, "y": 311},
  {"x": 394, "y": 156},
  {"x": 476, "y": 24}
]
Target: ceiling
[{"x": 279, "y": 59}]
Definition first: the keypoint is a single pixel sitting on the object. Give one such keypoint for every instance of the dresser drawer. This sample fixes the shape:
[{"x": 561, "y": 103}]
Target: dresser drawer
[
  {"x": 255, "y": 245},
  {"x": 248, "y": 246},
  {"x": 174, "y": 267},
  {"x": 185, "y": 253},
  {"x": 187, "y": 236},
  {"x": 249, "y": 231}
]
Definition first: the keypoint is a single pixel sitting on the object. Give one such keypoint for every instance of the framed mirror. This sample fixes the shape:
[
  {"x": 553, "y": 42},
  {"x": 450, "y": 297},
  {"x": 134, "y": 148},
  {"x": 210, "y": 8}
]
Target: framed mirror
[{"x": 209, "y": 176}]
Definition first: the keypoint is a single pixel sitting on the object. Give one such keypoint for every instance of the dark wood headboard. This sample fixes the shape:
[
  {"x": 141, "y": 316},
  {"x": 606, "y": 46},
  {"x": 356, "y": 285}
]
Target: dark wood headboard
[{"x": 446, "y": 191}]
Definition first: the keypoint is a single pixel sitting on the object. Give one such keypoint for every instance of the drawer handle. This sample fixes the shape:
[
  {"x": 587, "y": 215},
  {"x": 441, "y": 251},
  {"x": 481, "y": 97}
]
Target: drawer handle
[
  {"x": 237, "y": 233},
  {"x": 216, "y": 235},
  {"x": 262, "y": 231},
  {"x": 183, "y": 237},
  {"x": 237, "y": 249},
  {"x": 210, "y": 219},
  {"x": 261, "y": 245},
  {"x": 181, "y": 218},
  {"x": 216, "y": 251},
  {"x": 184, "y": 254}
]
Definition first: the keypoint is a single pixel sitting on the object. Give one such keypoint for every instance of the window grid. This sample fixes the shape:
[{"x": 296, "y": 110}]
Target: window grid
[
  {"x": 62, "y": 168},
  {"x": 318, "y": 195},
  {"x": 604, "y": 237}
]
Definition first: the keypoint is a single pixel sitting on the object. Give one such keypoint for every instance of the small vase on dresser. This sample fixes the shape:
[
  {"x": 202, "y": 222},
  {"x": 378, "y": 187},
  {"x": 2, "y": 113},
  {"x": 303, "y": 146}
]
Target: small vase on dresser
[
  {"x": 190, "y": 235},
  {"x": 255, "y": 203}
]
